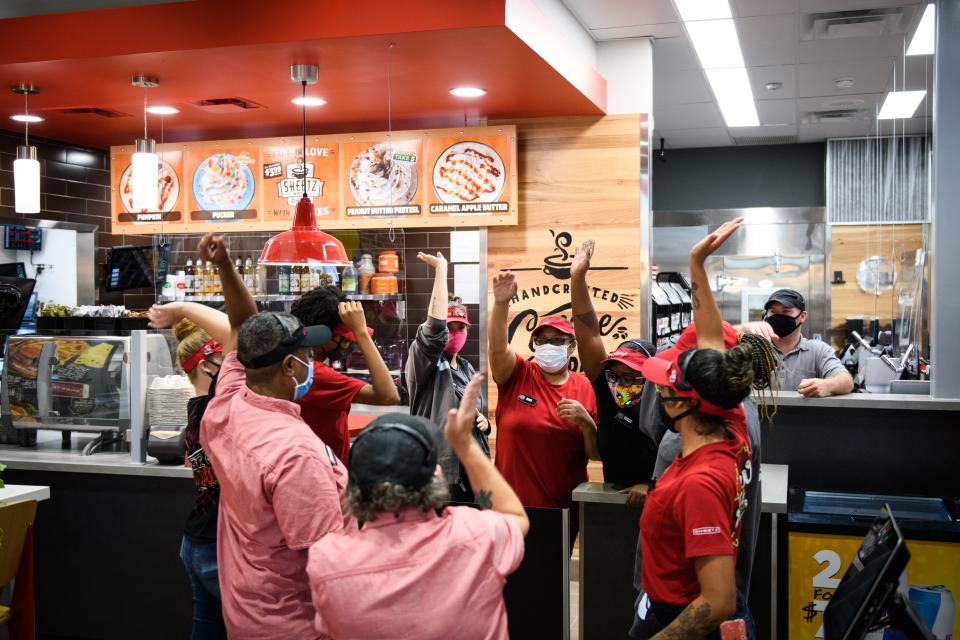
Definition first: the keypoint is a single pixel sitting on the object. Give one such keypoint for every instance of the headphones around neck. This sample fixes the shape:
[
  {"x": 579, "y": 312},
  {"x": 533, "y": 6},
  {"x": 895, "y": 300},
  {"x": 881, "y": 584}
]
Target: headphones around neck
[
  {"x": 642, "y": 348},
  {"x": 684, "y": 363}
]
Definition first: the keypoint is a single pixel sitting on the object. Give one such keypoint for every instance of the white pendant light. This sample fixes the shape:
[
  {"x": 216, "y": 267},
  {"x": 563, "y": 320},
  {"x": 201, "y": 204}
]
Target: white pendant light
[
  {"x": 145, "y": 172},
  {"x": 26, "y": 168}
]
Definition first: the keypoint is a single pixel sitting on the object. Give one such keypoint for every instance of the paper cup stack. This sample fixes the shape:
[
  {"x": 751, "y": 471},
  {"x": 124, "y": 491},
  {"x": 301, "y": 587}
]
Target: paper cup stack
[{"x": 167, "y": 401}]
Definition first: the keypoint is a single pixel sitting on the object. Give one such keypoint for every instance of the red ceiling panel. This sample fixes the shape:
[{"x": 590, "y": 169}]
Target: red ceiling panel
[{"x": 244, "y": 51}]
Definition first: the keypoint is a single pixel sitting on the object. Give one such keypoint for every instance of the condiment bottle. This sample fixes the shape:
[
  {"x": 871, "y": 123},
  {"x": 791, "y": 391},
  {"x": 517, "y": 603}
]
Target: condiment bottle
[
  {"x": 190, "y": 276},
  {"x": 366, "y": 271},
  {"x": 348, "y": 281},
  {"x": 283, "y": 280}
]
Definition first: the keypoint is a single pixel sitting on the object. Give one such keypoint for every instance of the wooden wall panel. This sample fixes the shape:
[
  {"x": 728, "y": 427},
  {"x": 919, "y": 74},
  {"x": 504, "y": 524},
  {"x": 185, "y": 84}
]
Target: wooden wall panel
[
  {"x": 850, "y": 245},
  {"x": 579, "y": 179}
]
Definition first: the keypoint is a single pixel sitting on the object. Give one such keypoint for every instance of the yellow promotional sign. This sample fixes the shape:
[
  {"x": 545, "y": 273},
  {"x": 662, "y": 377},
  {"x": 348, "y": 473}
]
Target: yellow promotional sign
[{"x": 817, "y": 562}]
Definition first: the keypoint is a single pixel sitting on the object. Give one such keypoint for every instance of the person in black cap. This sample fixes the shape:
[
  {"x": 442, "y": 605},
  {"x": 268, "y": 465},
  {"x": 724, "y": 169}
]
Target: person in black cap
[
  {"x": 809, "y": 367},
  {"x": 373, "y": 582},
  {"x": 280, "y": 486}
]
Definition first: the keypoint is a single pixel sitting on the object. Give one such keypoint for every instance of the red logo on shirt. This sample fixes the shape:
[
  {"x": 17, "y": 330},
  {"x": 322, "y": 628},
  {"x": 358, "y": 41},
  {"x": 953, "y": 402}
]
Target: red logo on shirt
[{"x": 706, "y": 531}]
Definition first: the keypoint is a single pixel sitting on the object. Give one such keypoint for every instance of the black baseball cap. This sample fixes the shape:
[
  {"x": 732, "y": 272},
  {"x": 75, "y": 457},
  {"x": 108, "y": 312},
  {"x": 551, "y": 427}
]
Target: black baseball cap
[
  {"x": 788, "y": 298},
  {"x": 397, "y": 448},
  {"x": 267, "y": 338}
]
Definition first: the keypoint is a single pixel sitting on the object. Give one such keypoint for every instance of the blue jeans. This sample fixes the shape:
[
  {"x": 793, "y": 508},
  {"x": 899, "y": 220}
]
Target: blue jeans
[{"x": 200, "y": 561}]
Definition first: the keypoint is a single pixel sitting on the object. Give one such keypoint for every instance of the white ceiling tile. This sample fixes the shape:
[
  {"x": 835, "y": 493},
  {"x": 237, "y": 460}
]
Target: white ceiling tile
[
  {"x": 602, "y": 14},
  {"x": 822, "y": 131},
  {"x": 777, "y": 112},
  {"x": 768, "y": 40},
  {"x": 870, "y": 76},
  {"x": 785, "y": 74},
  {"x": 764, "y": 131},
  {"x": 824, "y": 6},
  {"x": 681, "y": 138},
  {"x": 674, "y": 53},
  {"x": 664, "y": 30},
  {"x": 680, "y": 87},
  {"x": 697, "y": 115},
  {"x": 811, "y": 51},
  {"x": 744, "y": 8}
]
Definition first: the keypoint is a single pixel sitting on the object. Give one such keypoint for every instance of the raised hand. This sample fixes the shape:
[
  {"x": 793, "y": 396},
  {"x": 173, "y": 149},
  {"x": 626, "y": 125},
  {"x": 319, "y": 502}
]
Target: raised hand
[
  {"x": 437, "y": 261},
  {"x": 351, "y": 314},
  {"x": 504, "y": 286},
  {"x": 162, "y": 316},
  {"x": 581, "y": 259},
  {"x": 213, "y": 249},
  {"x": 713, "y": 241},
  {"x": 460, "y": 422}
]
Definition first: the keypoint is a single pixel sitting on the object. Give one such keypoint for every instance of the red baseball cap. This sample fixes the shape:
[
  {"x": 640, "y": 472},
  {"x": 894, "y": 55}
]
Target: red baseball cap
[
  {"x": 344, "y": 331},
  {"x": 688, "y": 340},
  {"x": 456, "y": 312},
  {"x": 628, "y": 357},
  {"x": 667, "y": 370},
  {"x": 559, "y": 323}
]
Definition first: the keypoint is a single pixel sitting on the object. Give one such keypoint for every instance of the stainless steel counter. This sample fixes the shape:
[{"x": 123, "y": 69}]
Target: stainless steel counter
[{"x": 871, "y": 401}]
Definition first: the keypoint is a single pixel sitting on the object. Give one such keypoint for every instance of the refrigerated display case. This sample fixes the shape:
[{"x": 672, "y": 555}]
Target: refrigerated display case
[{"x": 93, "y": 384}]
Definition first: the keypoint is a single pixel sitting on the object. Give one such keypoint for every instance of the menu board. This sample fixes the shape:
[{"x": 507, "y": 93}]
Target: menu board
[
  {"x": 223, "y": 183},
  {"x": 283, "y": 180},
  {"x": 447, "y": 177},
  {"x": 170, "y": 191}
]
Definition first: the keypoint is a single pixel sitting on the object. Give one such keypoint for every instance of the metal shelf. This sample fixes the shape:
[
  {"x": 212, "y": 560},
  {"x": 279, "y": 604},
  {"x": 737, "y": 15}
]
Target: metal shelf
[{"x": 379, "y": 297}]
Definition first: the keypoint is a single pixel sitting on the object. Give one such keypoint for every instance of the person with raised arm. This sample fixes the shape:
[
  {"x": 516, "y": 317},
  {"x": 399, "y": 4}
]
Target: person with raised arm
[
  {"x": 546, "y": 414},
  {"x": 696, "y": 506},
  {"x": 437, "y": 375},
  {"x": 280, "y": 486},
  {"x": 626, "y": 406},
  {"x": 373, "y": 582}
]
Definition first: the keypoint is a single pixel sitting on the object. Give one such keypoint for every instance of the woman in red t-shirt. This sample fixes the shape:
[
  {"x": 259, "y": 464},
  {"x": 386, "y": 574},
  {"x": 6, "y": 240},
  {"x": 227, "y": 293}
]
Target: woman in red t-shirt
[
  {"x": 546, "y": 414},
  {"x": 690, "y": 526}
]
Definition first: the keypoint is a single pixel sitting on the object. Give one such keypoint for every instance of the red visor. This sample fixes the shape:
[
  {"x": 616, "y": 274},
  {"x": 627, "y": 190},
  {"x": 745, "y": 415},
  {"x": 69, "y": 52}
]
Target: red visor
[
  {"x": 457, "y": 313},
  {"x": 209, "y": 348},
  {"x": 344, "y": 331},
  {"x": 688, "y": 340},
  {"x": 665, "y": 370},
  {"x": 559, "y": 323},
  {"x": 628, "y": 357}
]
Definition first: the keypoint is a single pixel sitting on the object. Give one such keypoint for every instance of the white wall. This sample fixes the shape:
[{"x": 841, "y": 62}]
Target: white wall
[
  {"x": 628, "y": 67},
  {"x": 58, "y": 281},
  {"x": 566, "y": 23}
]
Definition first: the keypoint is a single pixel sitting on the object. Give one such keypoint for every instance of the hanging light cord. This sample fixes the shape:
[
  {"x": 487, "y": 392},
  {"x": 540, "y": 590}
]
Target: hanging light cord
[
  {"x": 303, "y": 160},
  {"x": 391, "y": 235},
  {"x": 144, "y": 112},
  {"x": 26, "y": 121}
]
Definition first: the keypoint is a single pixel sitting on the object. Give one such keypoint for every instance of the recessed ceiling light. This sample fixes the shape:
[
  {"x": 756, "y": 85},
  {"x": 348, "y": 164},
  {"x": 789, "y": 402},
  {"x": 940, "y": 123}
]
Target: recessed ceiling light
[
  {"x": 922, "y": 42},
  {"x": 309, "y": 101},
  {"x": 160, "y": 110},
  {"x": 843, "y": 83},
  {"x": 22, "y": 117},
  {"x": 900, "y": 104},
  {"x": 773, "y": 86},
  {"x": 692, "y": 10},
  {"x": 468, "y": 92}
]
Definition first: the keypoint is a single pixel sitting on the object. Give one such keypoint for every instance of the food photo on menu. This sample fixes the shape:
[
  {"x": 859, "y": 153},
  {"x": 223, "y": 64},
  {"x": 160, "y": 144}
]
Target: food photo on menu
[
  {"x": 469, "y": 179},
  {"x": 383, "y": 180},
  {"x": 224, "y": 187}
]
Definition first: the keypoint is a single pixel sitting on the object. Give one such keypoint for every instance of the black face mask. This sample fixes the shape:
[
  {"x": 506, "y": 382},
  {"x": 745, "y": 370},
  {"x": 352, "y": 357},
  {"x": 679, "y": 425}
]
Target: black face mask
[
  {"x": 782, "y": 325},
  {"x": 671, "y": 421}
]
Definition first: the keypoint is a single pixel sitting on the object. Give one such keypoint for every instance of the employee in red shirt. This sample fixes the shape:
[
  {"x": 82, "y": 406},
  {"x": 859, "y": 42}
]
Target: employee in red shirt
[
  {"x": 690, "y": 527},
  {"x": 546, "y": 414},
  {"x": 326, "y": 407}
]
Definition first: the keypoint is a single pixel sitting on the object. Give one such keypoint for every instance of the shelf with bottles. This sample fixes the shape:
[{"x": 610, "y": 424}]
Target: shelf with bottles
[{"x": 276, "y": 297}]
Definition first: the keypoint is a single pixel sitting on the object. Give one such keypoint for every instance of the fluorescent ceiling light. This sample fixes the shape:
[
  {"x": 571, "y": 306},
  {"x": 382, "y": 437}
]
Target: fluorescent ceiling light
[
  {"x": 22, "y": 117},
  {"x": 160, "y": 110},
  {"x": 900, "y": 104},
  {"x": 309, "y": 101},
  {"x": 922, "y": 42},
  {"x": 734, "y": 96},
  {"x": 468, "y": 92},
  {"x": 716, "y": 43},
  {"x": 691, "y": 10}
]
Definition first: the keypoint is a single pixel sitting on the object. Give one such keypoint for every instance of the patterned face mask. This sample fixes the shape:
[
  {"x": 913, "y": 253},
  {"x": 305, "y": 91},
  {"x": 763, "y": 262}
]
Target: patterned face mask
[{"x": 626, "y": 392}]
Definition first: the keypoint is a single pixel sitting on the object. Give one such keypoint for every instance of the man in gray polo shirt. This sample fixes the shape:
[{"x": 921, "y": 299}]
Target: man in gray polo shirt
[{"x": 809, "y": 367}]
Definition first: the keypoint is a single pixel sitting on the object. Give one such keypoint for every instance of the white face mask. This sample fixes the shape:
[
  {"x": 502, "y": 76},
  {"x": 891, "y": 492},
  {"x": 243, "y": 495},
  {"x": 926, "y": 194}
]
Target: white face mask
[{"x": 551, "y": 358}]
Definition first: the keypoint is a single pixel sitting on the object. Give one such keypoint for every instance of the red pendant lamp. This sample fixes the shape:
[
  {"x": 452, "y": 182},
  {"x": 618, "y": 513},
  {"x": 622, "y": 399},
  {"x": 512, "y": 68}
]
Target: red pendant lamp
[{"x": 304, "y": 243}]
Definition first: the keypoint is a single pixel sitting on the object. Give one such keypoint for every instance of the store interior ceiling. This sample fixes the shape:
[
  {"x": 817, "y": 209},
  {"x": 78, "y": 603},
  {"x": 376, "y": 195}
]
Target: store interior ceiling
[
  {"x": 831, "y": 62},
  {"x": 805, "y": 45}
]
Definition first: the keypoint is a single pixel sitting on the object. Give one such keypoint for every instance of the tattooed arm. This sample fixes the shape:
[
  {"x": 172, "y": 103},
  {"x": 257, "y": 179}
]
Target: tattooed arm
[
  {"x": 489, "y": 486},
  {"x": 706, "y": 313},
  {"x": 717, "y": 601},
  {"x": 589, "y": 345}
]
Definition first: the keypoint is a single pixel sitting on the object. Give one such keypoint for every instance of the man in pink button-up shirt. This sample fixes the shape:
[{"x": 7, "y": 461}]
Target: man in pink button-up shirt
[
  {"x": 280, "y": 486},
  {"x": 374, "y": 582}
]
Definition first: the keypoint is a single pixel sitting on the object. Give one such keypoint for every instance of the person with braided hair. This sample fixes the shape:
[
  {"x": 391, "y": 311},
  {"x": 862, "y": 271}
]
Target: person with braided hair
[{"x": 692, "y": 516}]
